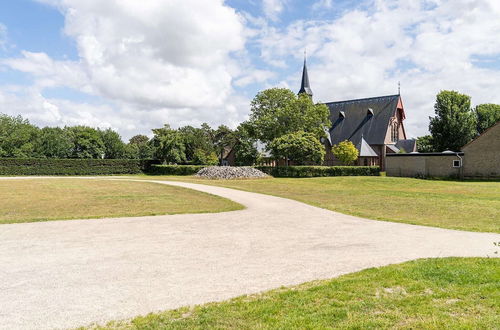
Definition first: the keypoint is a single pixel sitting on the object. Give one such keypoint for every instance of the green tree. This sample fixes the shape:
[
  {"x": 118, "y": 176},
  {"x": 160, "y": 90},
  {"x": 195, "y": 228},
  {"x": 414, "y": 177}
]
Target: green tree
[
  {"x": 114, "y": 148},
  {"x": 54, "y": 142},
  {"x": 18, "y": 137},
  {"x": 300, "y": 147},
  {"x": 197, "y": 140},
  {"x": 224, "y": 138},
  {"x": 245, "y": 152},
  {"x": 454, "y": 124},
  {"x": 424, "y": 144},
  {"x": 139, "y": 146},
  {"x": 345, "y": 152},
  {"x": 169, "y": 145},
  {"x": 87, "y": 142},
  {"x": 487, "y": 116},
  {"x": 203, "y": 157},
  {"x": 278, "y": 111}
]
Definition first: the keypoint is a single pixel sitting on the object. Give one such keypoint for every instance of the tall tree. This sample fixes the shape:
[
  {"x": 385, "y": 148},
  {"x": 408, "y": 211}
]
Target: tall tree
[
  {"x": 114, "y": 148},
  {"x": 18, "y": 137},
  {"x": 278, "y": 111},
  {"x": 454, "y": 124},
  {"x": 169, "y": 145},
  {"x": 54, "y": 142},
  {"x": 224, "y": 138},
  {"x": 245, "y": 151},
  {"x": 487, "y": 116},
  {"x": 139, "y": 146},
  {"x": 198, "y": 141},
  {"x": 300, "y": 147},
  {"x": 87, "y": 142}
]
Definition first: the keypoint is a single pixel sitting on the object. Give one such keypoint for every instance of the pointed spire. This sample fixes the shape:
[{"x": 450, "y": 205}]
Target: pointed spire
[{"x": 305, "y": 87}]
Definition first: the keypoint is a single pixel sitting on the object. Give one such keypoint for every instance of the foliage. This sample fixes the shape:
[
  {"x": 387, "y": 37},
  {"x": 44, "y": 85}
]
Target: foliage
[
  {"x": 454, "y": 124},
  {"x": 169, "y": 145},
  {"x": 17, "y": 137},
  {"x": 13, "y": 166},
  {"x": 54, "y": 142},
  {"x": 487, "y": 116},
  {"x": 224, "y": 138},
  {"x": 278, "y": 111},
  {"x": 319, "y": 171},
  {"x": 114, "y": 147},
  {"x": 197, "y": 141},
  {"x": 424, "y": 144},
  {"x": 174, "y": 169},
  {"x": 87, "y": 142},
  {"x": 202, "y": 157},
  {"x": 300, "y": 147},
  {"x": 245, "y": 152},
  {"x": 139, "y": 147},
  {"x": 345, "y": 152}
]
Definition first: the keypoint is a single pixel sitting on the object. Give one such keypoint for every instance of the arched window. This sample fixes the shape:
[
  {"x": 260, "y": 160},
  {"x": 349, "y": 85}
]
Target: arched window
[{"x": 395, "y": 132}]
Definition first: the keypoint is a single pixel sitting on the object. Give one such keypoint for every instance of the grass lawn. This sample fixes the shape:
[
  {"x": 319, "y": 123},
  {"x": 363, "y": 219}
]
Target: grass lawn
[
  {"x": 39, "y": 200},
  {"x": 473, "y": 206},
  {"x": 452, "y": 293}
]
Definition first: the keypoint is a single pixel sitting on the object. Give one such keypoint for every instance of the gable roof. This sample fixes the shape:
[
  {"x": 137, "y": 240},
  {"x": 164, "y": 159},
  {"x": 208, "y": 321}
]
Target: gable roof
[
  {"x": 409, "y": 145},
  {"x": 352, "y": 119},
  {"x": 365, "y": 150},
  {"x": 496, "y": 126}
]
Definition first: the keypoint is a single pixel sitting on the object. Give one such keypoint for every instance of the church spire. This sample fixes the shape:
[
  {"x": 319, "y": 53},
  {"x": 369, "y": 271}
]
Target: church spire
[{"x": 305, "y": 87}]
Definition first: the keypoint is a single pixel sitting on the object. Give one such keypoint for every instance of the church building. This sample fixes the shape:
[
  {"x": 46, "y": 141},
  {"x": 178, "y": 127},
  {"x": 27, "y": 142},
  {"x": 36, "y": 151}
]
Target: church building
[{"x": 375, "y": 125}]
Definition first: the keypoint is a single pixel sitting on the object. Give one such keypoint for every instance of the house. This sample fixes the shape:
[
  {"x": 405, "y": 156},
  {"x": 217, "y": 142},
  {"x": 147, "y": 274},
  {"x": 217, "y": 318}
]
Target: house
[
  {"x": 374, "y": 125},
  {"x": 480, "y": 158}
]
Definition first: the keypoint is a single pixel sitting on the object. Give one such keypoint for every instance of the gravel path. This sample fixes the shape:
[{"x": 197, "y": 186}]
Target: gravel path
[{"x": 72, "y": 273}]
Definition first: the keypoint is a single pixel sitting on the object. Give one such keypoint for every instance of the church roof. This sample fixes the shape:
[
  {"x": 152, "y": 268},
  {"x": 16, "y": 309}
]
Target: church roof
[
  {"x": 305, "y": 87},
  {"x": 364, "y": 149},
  {"x": 368, "y": 118},
  {"x": 409, "y": 145}
]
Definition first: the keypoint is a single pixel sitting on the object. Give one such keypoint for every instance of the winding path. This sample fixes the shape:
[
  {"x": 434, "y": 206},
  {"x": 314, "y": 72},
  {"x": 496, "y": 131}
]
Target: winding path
[{"x": 72, "y": 273}]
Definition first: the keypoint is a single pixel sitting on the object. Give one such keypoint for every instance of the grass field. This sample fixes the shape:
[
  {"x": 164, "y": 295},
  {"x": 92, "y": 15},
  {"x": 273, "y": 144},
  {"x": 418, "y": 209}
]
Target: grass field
[
  {"x": 39, "y": 200},
  {"x": 451, "y": 293},
  {"x": 473, "y": 206}
]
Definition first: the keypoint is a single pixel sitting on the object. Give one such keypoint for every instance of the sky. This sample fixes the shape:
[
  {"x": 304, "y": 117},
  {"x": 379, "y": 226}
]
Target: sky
[{"x": 137, "y": 65}]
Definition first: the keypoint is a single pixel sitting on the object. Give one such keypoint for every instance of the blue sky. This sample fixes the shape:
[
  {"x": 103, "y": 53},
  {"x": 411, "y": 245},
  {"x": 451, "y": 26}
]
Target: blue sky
[{"x": 134, "y": 66}]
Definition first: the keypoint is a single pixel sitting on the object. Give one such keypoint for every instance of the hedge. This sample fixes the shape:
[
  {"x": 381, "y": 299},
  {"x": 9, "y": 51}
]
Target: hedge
[
  {"x": 174, "y": 169},
  {"x": 315, "y": 171},
  {"x": 47, "y": 166}
]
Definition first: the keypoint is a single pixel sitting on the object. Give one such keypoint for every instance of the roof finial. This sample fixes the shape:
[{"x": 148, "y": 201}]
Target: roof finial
[{"x": 399, "y": 87}]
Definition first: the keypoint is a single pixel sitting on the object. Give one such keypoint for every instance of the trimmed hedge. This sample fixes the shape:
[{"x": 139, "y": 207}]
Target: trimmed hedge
[
  {"x": 316, "y": 171},
  {"x": 47, "y": 166},
  {"x": 174, "y": 169}
]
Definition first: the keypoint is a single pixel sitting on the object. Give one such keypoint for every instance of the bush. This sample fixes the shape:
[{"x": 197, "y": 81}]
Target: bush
[
  {"x": 316, "y": 171},
  {"x": 174, "y": 169},
  {"x": 47, "y": 166}
]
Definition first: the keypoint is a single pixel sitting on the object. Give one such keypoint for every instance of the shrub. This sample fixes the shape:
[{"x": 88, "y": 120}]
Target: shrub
[
  {"x": 301, "y": 147},
  {"x": 345, "y": 152},
  {"x": 317, "y": 171},
  {"x": 14, "y": 166},
  {"x": 174, "y": 169}
]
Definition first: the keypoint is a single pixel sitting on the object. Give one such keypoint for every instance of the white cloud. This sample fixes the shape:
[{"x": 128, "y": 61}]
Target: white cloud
[
  {"x": 3, "y": 36},
  {"x": 322, "y": 4},
  {"x": 365, "y": 53},
  {"x": 273, "y": 8}
]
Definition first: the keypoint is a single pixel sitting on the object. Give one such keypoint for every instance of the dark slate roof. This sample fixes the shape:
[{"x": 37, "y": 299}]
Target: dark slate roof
[
  {"x": 358, "y": 121},
  {"x": 365, "y": 150},
  {"x": 393, "y": 148},
  {"x": 409, "y": 145},
  {"x": 305, "y": 87}
]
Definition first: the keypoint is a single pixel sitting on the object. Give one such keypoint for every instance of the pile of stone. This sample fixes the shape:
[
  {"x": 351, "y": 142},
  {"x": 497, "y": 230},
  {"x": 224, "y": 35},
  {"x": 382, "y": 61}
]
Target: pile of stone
[{"x": 229, "y": 172}]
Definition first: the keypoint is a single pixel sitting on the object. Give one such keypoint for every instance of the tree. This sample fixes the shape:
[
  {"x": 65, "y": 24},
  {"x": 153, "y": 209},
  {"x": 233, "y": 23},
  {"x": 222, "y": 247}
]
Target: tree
[
  {"x": 197, "y": 140},
  {"x": 345, "y": 152},
  {"x": 454, "y": 124},
  {"x": 224, "y": 138},
  {"x": 54, "y": 142},
  {"x": 87, "y": 142},
  {"x": 300, "y": 147},
  {"x": 114, "y": 148},
  {"x": 203, "y": 157},
  {"x": 139, "y": 147},
  {"x": 17, "y": 137},
  {"x": 278, "y": 111},
  {"x": 168, "y": 145},
  {"x": 424, "y": 144},
  {"x": 487, "y": 116},
  {"x": 245, "y": 152}
]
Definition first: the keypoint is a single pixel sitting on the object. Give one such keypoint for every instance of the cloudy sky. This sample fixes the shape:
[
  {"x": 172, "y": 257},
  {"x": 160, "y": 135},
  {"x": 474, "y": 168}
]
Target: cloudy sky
[{"x": 135, "y": 65}]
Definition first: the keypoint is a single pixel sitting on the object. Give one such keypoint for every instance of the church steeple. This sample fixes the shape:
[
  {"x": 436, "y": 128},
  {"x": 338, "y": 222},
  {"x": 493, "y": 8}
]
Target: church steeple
[{"x": 305, "y": 87}]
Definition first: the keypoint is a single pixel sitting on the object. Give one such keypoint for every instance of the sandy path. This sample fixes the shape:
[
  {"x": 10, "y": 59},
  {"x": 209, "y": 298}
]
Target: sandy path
[{"x": 71, "y": 273}]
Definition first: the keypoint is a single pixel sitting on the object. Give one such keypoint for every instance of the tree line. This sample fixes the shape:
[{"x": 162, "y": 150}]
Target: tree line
[{"x": 456, "y": 123}]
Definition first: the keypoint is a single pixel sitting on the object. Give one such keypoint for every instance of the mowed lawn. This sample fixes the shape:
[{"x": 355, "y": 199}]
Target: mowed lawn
[
  {"x": 450, "y": 293},
  {"x": 56, "y": 199},
  {"x": 467, "y": 205}
]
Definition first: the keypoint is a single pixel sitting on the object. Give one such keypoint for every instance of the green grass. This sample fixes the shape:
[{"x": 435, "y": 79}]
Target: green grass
[
  {"x": 61, "y": 199},
  {"x": 451, "y": 293},
  {"x": 464, "y": 205}
]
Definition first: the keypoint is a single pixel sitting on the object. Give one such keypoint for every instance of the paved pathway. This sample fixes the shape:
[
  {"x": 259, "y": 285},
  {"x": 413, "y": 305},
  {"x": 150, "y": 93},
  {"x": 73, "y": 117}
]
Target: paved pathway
[{"x": 71, "y": 273}]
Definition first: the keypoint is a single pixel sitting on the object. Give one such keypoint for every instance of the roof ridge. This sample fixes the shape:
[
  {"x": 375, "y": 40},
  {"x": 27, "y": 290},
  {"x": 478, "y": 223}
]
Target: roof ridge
[{"x": 364, "y": 99}]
